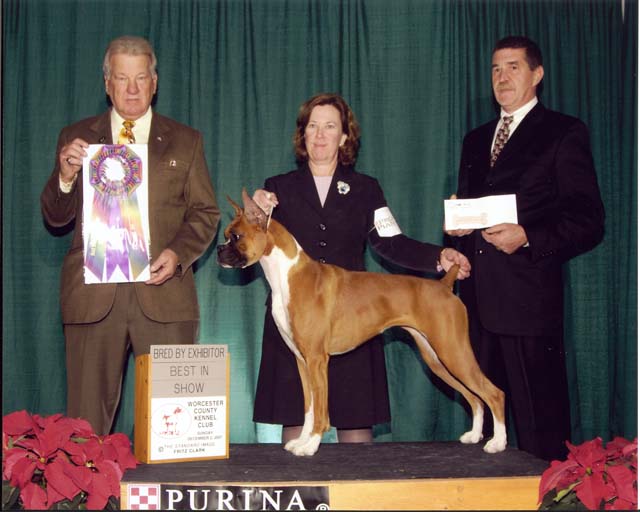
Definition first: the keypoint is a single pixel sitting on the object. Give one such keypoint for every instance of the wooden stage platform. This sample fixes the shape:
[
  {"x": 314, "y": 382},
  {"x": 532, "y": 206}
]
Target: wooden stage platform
[{"x": 374, "y": 476}]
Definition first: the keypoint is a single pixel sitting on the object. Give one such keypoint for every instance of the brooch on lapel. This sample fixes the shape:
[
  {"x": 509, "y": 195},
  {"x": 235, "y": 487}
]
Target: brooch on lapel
[
  {"x": 172, "y": 163},
  {"x": 343, "y": 188}
]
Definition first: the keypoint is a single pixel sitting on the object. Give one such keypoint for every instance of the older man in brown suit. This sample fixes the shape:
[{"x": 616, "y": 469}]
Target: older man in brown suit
[{"x": 102, "y": 322}]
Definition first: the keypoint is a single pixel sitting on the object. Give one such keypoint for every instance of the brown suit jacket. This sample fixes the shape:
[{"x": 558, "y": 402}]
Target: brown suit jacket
[{"x": 183, "y": 216}]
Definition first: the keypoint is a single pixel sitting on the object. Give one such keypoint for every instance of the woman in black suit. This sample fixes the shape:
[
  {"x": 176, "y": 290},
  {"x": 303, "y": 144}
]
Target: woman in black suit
[{"x": 334, "y": 211}]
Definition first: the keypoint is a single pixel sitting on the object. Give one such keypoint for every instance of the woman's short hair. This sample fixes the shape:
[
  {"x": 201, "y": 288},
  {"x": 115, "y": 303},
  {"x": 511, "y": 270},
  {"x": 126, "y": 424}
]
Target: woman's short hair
[
  {"x": 129, "y": 45},
  {"x": 348, "y": 152}
]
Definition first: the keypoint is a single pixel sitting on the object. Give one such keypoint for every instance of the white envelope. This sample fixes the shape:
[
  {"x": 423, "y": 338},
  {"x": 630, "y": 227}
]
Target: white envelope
[{"x": 480, "y": 213}]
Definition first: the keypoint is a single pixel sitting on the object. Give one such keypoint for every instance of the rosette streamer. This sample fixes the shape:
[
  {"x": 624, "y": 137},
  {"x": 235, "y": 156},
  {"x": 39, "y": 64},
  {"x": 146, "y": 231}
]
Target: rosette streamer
[{"x": 116, "y": 238}]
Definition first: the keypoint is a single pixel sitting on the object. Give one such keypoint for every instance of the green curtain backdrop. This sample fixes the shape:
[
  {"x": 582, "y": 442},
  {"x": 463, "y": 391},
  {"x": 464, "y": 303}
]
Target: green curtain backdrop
[{"x": 417, "y": 74}]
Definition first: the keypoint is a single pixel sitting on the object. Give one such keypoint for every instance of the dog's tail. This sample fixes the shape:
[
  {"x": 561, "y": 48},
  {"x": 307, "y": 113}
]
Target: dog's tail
[{"x": 450, "y": 276}]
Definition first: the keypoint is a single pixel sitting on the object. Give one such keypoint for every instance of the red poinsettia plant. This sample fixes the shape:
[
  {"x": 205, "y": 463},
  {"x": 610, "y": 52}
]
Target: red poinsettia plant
[
  {"x": 55, "y": 460},
  {"x": 593, "y": 477}
]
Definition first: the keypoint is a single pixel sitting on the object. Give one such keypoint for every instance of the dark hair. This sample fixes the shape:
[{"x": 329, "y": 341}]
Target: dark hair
[
  {"x": 533, "y": 54},
  {"x": 348, "y": 152}
]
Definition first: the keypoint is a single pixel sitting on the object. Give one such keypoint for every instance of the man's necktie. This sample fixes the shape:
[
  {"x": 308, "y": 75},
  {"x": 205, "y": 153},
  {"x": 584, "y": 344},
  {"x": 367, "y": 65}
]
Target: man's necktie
[
  {"x": 501, "y": 138},
  {"x": 126, "y": 134}
]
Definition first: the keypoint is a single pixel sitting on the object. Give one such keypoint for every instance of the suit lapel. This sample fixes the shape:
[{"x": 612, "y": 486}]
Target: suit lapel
[
  {"x": 336, "y": 200},
  {"x": 522, "y": 136},
  {"x": 308, "y": 191},
  {"x": 159, "y": 137},
  {"x": 480, "y": 161},
  {"x": 102, "y": 129}
]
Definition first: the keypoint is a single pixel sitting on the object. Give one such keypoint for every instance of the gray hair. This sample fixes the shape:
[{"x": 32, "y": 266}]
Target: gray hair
[{"x": 129, "y": 45}]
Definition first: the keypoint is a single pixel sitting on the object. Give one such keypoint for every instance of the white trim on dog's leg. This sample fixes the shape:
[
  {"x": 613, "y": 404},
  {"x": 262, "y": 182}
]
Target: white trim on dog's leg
[
  {"x": 498, "y": 442},
  {"x": 307, "y": 443},
  {"x": 310, "y": 447},
  {"x": 294, "y": 445},
  {"x": 475, "y": 434}
]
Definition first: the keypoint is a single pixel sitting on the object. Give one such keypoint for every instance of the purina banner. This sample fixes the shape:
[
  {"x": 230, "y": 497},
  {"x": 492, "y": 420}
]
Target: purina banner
[{"x": 210, "y": 497}]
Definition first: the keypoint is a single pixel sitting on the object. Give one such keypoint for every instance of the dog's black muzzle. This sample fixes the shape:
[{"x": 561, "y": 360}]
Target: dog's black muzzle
[{"x": 230, "y": 257}]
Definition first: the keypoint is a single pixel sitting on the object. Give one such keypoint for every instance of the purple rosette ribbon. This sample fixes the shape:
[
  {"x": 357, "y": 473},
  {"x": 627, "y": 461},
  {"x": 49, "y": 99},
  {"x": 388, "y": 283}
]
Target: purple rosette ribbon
[{"x": 116, "y": 239}]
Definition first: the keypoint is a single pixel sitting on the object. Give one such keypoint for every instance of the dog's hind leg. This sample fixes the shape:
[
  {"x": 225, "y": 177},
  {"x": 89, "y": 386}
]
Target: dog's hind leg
[
  {"x": 436, "y": 366},
  {"x": 463, "y": 366}
]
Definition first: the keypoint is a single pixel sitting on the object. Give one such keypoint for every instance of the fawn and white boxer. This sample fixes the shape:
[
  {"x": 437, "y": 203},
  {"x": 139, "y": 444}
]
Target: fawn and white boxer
[{"x": 323, "y": 310}]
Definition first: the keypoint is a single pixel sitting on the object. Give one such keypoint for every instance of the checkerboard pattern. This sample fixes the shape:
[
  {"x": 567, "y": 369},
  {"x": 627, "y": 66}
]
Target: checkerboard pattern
[{"x": 143, "y": 497}]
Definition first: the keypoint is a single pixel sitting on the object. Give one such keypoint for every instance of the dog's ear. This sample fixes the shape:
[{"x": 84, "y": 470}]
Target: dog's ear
[
  {"x": 253, "y": 213},
  {"x": 235, "y": 206}
]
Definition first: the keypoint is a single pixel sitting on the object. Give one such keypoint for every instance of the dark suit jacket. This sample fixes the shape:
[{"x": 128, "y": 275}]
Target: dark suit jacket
[
  {"x": 338, "y": 232},
  {"x": 183, "y": 216},
  {"x": 547, "y": 163}
]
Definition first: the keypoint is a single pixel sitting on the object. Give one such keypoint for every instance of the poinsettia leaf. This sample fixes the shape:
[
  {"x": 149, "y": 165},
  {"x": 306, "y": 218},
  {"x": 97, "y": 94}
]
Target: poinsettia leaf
[
  {"x": 122, "y": 446},
  {"x": 113, "y": 503},
  {"x": 54, "y": 436},
  {"x": 552, "y": 475},
  {"x": 44, "y": 421},
  {"x": 623, "y": 480},
  {"x": 10, "y": 458},
  {"x": 76, "y": 452},
  {"x": 92, "y": 449},
  {"x": 590, "y": 454},
  {"x": 617, "y": 444},
  {"x": 113, "y": 474},
  {"x": 621, "y": 504},
  {"x": 53, "y": 495},
  {"x": 592, "y": 491},
  {"x": 17, "y": 423},
  {"x": 10, "y": 496},
  {"x": 58, "y": 480},
  {"x": 99, "y": 492},
  {"x": 33, "y": 497},
  {"x": 631, "y": 450},
  {"x": 81, "y": 427},
  {"x": 81, "y": 475},
  {"x": 23, "y": 472}
]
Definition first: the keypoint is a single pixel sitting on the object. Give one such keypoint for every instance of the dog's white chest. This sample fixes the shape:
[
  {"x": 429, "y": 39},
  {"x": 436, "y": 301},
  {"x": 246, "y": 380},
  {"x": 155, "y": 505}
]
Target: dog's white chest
[{"x": 276, "y": 268}]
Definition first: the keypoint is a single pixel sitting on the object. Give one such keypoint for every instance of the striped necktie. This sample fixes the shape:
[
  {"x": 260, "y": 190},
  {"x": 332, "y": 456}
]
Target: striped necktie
[{"x": 501, "y": 138}]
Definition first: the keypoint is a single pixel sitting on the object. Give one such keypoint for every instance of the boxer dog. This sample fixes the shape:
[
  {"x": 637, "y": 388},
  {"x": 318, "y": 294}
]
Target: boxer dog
[{"x": 323, "y": 310}]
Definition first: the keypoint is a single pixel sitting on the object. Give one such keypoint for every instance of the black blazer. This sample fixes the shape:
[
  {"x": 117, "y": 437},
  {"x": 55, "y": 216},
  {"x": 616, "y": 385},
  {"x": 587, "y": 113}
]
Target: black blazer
[
  {"x": 547, "y": 163},
  {"x": 338, "y": 232}
]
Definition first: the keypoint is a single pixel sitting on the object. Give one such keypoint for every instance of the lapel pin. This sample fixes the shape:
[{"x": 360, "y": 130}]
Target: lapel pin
[
  {"x": 173, "y": 163},
  {"x": 343, "y": 188}
]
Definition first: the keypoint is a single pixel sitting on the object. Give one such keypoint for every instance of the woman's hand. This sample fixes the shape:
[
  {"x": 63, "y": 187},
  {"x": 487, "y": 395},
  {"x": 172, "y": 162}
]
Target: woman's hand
[
  {"x": 449, "y": 256},
  {"x": 266, "y": 200}
]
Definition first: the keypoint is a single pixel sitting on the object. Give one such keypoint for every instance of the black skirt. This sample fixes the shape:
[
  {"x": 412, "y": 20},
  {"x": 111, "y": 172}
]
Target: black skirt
[{"x": 358, "y": 393}]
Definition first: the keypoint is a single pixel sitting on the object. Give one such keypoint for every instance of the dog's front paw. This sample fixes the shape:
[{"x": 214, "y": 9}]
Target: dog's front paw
[
  {"x": 496, "y": 444},
  {"x": 471, "y": 437},
  {"x": 304, "y": 446}
]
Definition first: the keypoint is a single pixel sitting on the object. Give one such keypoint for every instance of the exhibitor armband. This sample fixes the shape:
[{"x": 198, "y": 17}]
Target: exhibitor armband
[{"x": 384, "y": 223}]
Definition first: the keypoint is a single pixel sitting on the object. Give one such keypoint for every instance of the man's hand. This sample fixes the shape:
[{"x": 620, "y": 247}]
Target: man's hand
[
  {"x": 450, "y": 256},
  {"x": 267, "y": 201},
  {"x": 457, "y": 232},
  {"x": 506, "y": 237},
  {"x": 164, "y": 267},
  {"x": 70, "y": 159}
]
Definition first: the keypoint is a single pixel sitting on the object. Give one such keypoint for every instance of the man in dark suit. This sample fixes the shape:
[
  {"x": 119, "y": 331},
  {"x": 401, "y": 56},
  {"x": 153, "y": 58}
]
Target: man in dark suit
[
  {"x": 515, "y": 294},
  {"x": 103, "y": 321}
]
